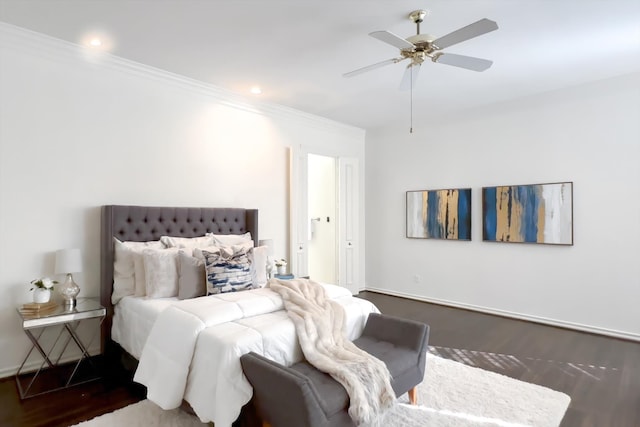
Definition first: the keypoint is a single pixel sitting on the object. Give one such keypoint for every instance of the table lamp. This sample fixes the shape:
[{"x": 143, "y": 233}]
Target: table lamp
[
  {"x": 69, "y": 261},
  {"x": 271, "y": 264}
]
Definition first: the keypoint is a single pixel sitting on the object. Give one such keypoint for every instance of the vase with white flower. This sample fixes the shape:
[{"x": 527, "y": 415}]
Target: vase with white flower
[
  {"x": 42, "y": 289},
  {"x": 281, "y": 265}
]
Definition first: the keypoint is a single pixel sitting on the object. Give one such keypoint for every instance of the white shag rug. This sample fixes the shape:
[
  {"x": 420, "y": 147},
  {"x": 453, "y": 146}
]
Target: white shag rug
[{"x": 451, "y": 395}]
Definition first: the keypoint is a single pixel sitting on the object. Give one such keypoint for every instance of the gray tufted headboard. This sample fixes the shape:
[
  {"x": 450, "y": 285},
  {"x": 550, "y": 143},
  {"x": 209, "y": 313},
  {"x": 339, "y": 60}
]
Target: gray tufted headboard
[{"x": 143, "y": 223}]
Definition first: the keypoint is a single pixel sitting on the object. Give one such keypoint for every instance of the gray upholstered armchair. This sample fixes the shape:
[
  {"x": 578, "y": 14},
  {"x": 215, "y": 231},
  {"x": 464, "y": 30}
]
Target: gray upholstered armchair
[{"x": 302, "y": 396}]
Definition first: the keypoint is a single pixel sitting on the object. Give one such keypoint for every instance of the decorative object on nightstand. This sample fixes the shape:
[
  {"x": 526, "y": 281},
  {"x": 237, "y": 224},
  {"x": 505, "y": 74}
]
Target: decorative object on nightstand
[
  {"x": 281, "y": 264},
  {"x": 42, "y": 289},
  {"x": 69, "y": 261},
  {"x": 270, "y": 262},
  {"x": 37, "y": 308}
]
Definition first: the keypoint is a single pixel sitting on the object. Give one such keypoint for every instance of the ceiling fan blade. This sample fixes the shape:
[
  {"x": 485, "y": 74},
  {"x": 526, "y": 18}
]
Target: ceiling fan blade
[
  {"x": 372, "y": 67},
  {"x": 411, "y": 73},
  {"x": 462, "y": 61},
  {"x": 476, "y": 29},
  {"x": 392, "y": 39}
]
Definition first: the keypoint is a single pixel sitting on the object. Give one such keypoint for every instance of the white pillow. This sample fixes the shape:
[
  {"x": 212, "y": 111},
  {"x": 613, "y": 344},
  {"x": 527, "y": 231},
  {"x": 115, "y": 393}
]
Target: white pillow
[
  {"x": 124, "y": 279},
  {"x": 140, "y": 277},
  {"x": 230, "y": 239},
  {"x": 187, "y": 242},
  {"x": 197, "y": 252},
  {"x": 161, "y": 272},
  {"x": 258, "y": 258}
]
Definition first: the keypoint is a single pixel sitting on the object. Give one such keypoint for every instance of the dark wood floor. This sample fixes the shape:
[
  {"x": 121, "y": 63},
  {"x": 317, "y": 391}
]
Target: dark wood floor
[
  {"x": 601, "y": 374},
  {"x": 65, "y": 407}
]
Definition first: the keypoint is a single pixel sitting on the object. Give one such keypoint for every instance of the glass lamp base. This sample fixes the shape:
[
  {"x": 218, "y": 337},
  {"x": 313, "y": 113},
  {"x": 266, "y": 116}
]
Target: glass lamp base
[{"x": 69, "y": 291}]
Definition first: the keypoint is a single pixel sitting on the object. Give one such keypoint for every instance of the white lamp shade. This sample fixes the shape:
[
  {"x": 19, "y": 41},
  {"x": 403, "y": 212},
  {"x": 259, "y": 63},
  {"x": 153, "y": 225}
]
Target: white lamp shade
[
  {"x": 68, "y": 261},
  {"x": 269, "y": 244}
]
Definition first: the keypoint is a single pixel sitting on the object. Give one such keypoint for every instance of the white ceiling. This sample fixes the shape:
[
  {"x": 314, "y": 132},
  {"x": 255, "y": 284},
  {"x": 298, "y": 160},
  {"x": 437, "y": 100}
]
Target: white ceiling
[{"x": 297, "y": 50}]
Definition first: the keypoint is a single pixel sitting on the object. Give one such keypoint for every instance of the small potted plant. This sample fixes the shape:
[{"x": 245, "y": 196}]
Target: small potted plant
[
  {"x": 281, "y": 265},
  {"x": 42, "y": 289}
]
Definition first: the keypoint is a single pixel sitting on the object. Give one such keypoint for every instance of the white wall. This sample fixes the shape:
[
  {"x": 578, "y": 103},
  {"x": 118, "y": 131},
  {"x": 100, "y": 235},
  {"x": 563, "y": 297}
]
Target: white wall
[
  {"x": 587, "y": 134},
  {"x": 78, "y": 132}
]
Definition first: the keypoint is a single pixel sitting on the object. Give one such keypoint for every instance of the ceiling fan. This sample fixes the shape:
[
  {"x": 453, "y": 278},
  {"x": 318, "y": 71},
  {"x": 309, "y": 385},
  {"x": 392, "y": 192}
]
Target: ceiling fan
[{"x": 421, "y": 47}]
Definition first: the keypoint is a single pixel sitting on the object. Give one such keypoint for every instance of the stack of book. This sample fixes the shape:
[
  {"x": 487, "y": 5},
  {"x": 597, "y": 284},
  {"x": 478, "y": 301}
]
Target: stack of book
[{"x": 37, "y": 309}]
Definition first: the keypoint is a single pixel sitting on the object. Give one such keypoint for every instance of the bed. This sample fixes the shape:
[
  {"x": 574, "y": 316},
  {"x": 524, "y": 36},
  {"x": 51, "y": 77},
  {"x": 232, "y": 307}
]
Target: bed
[
  {"x": 145, "y": 223},
  {"x": 210, "y": 333}
]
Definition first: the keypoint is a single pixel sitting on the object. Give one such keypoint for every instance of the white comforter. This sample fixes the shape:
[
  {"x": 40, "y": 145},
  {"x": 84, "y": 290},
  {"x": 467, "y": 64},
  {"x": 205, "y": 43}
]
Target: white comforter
[{"x": 193, "y": 351}]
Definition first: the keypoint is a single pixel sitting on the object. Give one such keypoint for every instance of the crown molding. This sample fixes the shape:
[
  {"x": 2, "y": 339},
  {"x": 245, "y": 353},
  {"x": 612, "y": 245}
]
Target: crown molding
[{"x": 14, "y": 37}]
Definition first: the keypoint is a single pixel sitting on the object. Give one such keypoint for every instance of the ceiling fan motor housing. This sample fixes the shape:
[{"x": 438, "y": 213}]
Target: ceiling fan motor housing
[
  {"x": 422, "y": 42},
  {"x": 422, "y": 48}
]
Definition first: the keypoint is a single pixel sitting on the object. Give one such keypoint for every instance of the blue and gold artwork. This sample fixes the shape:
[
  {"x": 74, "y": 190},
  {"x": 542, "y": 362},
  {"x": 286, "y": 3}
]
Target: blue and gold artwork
[
  {"x": 439, "y": 214},
  {"x": 538, "y": 213}
]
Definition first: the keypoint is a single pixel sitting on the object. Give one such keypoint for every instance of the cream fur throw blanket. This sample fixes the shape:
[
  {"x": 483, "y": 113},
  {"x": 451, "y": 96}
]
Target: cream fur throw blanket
[{"x": 320, "y": 326}]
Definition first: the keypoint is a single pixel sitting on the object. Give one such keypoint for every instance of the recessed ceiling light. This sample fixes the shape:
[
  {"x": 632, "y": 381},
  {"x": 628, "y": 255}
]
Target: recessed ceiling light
[
  {"x": 256, "y": 90},
  {"x": 97, "y": 40}
]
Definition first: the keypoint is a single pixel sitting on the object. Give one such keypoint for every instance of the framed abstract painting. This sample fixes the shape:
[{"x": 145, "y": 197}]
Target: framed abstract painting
[
  {"x": 537, "y": 213},
  {"x": 439, "y": 214}
]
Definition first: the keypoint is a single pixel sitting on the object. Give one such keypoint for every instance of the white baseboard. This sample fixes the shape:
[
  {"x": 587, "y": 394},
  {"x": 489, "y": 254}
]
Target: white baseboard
[
  {"x": 35, "y": 364},
  {"x": 536, "y": 319}
]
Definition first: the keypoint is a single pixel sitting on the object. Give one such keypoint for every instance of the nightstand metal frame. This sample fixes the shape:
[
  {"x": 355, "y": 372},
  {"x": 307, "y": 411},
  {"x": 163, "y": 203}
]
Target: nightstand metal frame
[{"x": 69, "y": 320}]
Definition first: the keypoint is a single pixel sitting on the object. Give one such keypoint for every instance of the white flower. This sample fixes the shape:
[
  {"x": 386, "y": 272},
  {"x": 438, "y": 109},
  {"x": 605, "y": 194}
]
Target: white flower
[
  {"x": 44, "y": 283},
  {"x": 47, "y": 283}
]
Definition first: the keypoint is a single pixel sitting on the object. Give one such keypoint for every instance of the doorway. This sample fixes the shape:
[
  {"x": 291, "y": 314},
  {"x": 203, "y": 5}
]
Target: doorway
[
  {"x": 341, "y": 259},
  {"x": 322, "y": 213}
]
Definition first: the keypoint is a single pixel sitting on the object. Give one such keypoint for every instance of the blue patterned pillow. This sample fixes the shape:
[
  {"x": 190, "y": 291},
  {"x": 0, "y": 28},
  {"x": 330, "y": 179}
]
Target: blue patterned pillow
[{"x": 227, "y": 271}]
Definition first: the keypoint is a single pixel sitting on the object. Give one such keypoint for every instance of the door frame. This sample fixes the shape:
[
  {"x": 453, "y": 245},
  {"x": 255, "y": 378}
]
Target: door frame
[{"x": 298, "y": 183}]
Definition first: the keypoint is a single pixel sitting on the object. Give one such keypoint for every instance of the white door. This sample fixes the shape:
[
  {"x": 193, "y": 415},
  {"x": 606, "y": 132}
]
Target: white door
[
  {"x": 299, "y": 213},
  {"x": 348, "y": 212}
]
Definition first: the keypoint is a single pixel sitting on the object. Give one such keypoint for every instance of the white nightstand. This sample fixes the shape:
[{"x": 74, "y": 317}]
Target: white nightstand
[{"x": 58, "y": 375}]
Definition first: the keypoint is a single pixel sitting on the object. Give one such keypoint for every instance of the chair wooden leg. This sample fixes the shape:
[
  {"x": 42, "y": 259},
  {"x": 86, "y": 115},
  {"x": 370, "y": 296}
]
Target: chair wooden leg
[
  {"x": 413, "y": 396},
  {"x": 265, "y": 424}
]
